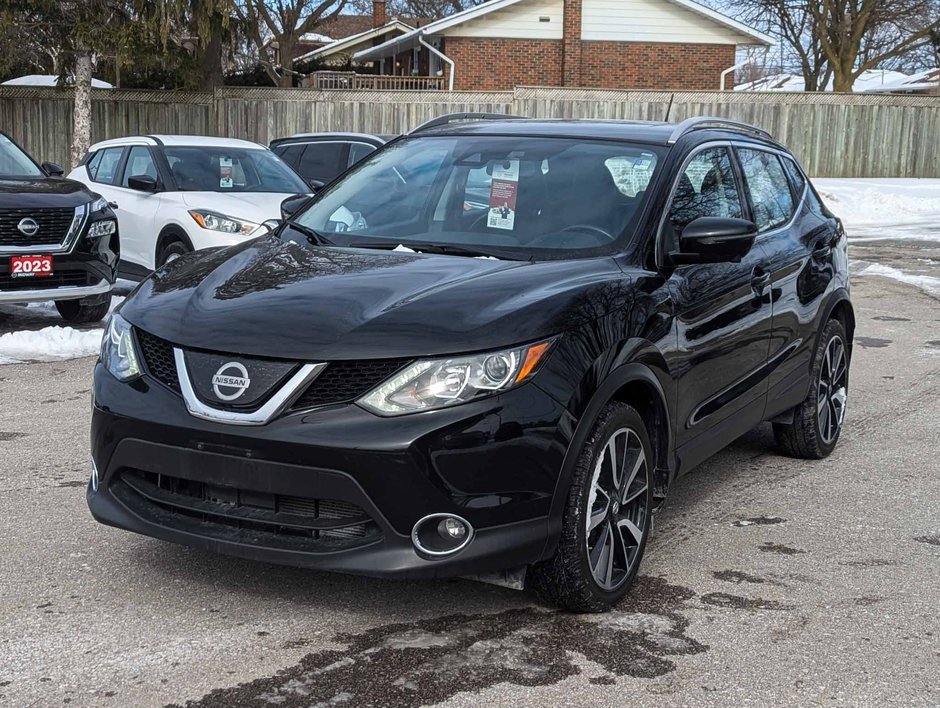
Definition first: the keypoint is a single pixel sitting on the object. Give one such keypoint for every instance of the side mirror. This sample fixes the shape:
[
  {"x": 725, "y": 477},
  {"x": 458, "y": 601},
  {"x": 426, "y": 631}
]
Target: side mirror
[
  {"x": 715, "y": 239},
  {"x": 52, "y": 169},
  {"x": 142, "y": 183},
  {"x": 315, "y": 185},
  {"x": 292, "y": 205}
]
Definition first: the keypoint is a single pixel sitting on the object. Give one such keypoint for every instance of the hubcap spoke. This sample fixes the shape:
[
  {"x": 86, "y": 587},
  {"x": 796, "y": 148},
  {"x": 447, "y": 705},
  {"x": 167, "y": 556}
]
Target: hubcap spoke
[
  {"x": 631, "y": 528},
  {"x": 634, "y": 494},
  {"x": 831, "y": 397},
  {"x": 601, "y": 553}
]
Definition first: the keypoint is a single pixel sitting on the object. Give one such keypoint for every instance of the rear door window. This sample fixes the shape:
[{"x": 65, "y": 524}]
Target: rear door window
[
  {"x": 104, "y": 165},
  {"x": 358, "y": 151},
  {"x": 323, "y": 161},
  {"x": 767, "y": 183},
  {"x": 290, "y": 153}
]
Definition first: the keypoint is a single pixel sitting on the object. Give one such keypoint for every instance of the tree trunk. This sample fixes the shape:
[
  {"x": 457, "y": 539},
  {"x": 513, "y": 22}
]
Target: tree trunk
[
  {"x": 842, "y": 81},
  {"x": 210, "y": 61},
  {"x": 81, "y": 107},
  {"x": 285, "y": 46}
]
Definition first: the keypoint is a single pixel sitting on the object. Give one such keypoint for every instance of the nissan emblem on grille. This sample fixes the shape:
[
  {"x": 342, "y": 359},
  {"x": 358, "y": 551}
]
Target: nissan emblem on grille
[
  {"x": 228, "y": 387},
  {"x": 28, "y": 227}
]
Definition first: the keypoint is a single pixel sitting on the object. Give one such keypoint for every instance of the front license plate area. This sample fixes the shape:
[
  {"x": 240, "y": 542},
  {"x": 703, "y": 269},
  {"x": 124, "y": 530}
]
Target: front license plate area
[{"x": 30, "y": 266}]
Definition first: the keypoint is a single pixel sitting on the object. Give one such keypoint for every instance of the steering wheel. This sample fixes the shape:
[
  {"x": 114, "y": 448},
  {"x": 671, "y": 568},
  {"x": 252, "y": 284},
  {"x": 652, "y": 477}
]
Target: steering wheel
[{"x": 589, "y": 227}]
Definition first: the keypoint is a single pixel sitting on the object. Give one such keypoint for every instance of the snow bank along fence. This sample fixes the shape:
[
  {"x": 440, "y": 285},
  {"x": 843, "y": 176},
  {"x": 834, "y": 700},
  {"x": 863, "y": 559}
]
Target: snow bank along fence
[{"x": 833, "y": 134}]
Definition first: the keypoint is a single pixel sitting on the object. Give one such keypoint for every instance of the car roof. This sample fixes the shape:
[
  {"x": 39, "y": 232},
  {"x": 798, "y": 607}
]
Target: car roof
[
  {"x": 651, "y": 132},
  {"x": 179, "y": 140},
  {"x": 352, "y": 137}
]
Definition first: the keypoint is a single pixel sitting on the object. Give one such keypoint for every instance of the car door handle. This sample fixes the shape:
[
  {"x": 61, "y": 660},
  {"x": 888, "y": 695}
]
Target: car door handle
[
  {"x": 822, "y": 250},
  {"x": 760, "y": 280}
]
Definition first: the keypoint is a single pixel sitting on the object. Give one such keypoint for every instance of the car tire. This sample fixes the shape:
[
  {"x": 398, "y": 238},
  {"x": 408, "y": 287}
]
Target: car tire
[
  {"x": 171, "y": 251},
  {"x": 599, "y": 553},
  {"x": 817, "y": 421},
  {"x": 88, "y": 309}
]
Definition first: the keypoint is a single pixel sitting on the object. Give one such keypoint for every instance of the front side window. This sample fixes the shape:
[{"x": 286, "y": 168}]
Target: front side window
[
  {"x": 706, "y": 187},
  {"x": 224, "y": 169},
  {"x": 769, "y": 188},
  {"x": 103, "y": 166},
  {"x": 14, "y": 162},
  {"x": 323, "y": 161},
  {"x": 530, "y": 196},
  {"x": 139, "y": 164}
]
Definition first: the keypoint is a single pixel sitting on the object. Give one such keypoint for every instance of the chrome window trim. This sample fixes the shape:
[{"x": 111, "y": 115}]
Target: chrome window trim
[
  {"x": 64, "y": 246},
  {"x": 761, "y": 236},
  {"x": 277, "y": 403}
]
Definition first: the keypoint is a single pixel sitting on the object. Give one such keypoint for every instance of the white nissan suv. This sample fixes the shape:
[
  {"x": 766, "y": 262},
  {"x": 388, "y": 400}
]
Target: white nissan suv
[{"x": 177, "y": 193}]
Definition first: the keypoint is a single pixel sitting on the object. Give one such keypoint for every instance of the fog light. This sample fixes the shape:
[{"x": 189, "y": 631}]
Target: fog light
[
  {"x": 439, "y": 535},
  {"x": 452, "y": 529}
]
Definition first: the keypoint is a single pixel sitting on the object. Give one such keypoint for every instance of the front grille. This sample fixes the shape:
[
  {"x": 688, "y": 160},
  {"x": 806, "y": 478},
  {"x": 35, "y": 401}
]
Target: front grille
[
  {"x": 53, "y": 226},
  {"x": 261, "y": 518},
  {"x": 158, "y": 358},
  {"x": 345, "y": 381},
  {"x": 56, "y": 280}
]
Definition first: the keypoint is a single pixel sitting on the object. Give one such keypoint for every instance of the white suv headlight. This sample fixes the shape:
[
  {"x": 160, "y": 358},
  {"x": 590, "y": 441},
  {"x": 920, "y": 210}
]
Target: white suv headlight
[
  {"x": 436, "y": 383},
  {"x": 214, "y": 221},
  {"x": 118, "y": 353}
]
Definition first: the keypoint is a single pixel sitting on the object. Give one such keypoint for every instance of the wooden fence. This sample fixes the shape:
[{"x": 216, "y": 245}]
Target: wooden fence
[{"x": 832, "y": 134}]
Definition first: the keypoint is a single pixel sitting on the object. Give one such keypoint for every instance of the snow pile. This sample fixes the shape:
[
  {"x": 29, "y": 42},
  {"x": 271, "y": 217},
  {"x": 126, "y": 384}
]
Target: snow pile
[
  {"x": 862, "y": 203},
  {"x": 48, "y": 344},
  {"x": 927, "y": 283}
]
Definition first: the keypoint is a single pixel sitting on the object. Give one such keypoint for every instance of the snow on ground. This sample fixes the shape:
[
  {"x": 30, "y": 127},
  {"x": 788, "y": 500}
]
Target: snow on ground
[
  {"x": 48, "y": 344},
  {"x": 882, "y": 205},
  {"x": 53, "y": 342}
]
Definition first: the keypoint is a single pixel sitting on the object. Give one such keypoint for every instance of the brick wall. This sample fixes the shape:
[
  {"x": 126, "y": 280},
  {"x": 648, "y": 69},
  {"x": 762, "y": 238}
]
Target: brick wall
[
  {"x": 655, "y": 66},
  {"x": 502, "y": 64},
  {"x": 571, "y": 59}
]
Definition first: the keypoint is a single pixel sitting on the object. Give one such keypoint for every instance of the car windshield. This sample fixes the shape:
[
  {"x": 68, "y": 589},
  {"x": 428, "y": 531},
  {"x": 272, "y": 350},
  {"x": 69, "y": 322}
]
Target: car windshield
[
  {"x": 14, "y": 162},
  {"x": 225, "y": 169},
  {"x": 522, "y": 197}
]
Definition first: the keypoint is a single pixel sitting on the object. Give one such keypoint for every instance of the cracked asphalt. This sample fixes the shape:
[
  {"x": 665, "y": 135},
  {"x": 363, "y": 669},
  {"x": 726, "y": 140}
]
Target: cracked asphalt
[{"x": 769, "y": 581}]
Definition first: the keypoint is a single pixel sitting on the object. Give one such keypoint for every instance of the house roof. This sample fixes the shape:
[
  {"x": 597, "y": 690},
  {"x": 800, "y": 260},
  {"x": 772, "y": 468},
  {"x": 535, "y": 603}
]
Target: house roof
[
  {"x": 485, "y": 8},
  {"x": 347, "y": 42},
  {"x": 45, "y": 80}
]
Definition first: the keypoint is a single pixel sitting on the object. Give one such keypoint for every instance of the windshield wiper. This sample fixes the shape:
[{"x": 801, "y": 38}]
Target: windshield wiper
[
  {"x": 439, "y": 248},
  {"x": 313, "y": 236}
]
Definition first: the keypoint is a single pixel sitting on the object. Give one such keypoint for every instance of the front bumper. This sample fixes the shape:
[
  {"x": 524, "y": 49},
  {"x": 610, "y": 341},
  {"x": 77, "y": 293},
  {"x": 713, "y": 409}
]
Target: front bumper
[
  {"x": 167, "y": 474},
  {"x": 89, "y": 269}
]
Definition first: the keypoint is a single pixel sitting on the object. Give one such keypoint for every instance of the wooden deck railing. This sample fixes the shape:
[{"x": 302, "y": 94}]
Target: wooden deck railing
[{"x": 351, "y": 81}]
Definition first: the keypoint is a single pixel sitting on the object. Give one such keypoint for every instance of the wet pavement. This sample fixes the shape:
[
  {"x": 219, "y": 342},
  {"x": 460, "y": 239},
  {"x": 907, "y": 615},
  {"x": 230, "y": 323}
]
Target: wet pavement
[{"x": 769, "y": 581}]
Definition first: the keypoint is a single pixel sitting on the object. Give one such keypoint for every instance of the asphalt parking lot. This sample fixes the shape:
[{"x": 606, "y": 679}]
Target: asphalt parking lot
[{"x": 769, "y": 581}]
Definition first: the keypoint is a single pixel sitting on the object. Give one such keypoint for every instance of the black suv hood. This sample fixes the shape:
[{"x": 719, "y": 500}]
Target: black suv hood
[
  {"x": 42, "y": 192},
  {"x": 273, "y": 298}
]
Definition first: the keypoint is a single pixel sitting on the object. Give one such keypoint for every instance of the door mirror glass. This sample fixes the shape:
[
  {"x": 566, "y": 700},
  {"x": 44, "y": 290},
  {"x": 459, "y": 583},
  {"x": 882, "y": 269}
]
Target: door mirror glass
[
  {"x": 52, "y": 169},
  {"x": 142, "y": 183},
  {"x": 292, "y": 205},
  {"x": 715, "y": 239}
]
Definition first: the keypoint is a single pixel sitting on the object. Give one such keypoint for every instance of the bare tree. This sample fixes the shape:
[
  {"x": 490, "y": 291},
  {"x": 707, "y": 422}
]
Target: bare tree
[
  {"x": 857, "y": 35},
  {"x": 275, "y": 26}
]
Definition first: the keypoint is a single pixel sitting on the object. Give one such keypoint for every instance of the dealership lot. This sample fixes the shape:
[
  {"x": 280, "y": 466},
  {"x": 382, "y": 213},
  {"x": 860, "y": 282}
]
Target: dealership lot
[{"x": 769, "y": 580}]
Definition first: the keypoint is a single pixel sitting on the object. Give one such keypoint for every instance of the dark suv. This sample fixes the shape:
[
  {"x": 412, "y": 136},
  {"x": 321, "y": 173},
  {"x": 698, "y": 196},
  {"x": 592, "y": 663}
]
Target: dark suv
[
  {"x": 58, "y": 240},
  {"x": 394, "y": 384}
]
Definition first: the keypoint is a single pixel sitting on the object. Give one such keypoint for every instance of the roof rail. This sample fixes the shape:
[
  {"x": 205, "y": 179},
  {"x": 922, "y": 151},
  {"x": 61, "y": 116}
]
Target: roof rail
[
  {"x": 699, "y": 122},
  {"x": 449, "y": 118}
]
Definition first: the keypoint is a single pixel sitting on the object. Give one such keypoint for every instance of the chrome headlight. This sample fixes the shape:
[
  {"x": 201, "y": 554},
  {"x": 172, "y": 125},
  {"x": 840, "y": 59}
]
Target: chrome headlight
[
  {"x": 436, "y": 383},
  {"x": 118, "y": 353},
  {"x": 105, "y": 227},
  {"x": 100, "y": 204},
  {"x": 213, "y": 221}
]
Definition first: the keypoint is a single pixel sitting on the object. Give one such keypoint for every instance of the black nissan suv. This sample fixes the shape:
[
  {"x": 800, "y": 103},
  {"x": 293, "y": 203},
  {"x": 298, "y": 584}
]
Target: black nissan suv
[
  {"x": 394, "y": 383},
  {"x": 58, "y": 240}
]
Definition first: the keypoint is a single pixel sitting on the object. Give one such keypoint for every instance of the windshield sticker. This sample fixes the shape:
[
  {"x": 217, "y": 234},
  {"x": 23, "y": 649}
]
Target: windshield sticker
[
  {"x": 503, "y": 192},
  {"x": 225, "y": 173},
  {"x": 642, "y": 164}
]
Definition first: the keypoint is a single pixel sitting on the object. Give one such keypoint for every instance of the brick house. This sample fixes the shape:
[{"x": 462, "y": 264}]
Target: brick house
[{"x": 500, "y": 44}]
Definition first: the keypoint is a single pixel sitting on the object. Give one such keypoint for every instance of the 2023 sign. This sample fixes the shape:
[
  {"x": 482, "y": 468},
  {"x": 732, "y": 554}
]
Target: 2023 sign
[{"x": 30, "y": 266}]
